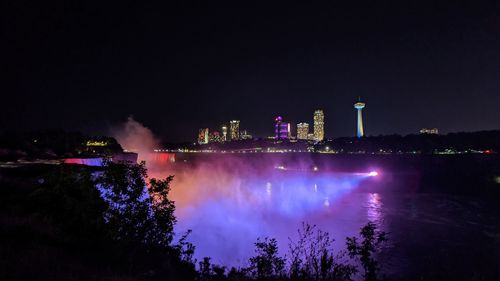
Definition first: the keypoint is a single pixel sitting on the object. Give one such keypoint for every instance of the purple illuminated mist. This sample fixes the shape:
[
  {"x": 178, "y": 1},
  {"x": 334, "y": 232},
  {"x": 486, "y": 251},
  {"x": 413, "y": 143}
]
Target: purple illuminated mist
[{"x": 229, "y": 201}]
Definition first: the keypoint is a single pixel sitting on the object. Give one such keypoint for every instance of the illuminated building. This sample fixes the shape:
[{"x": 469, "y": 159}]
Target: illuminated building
[
  {"x": 430, "y": 131},
  {"x": 224, "y": 133},
  {"x": 319, "y": 125},
  {"x": 281, "y": 129},
  {"x": 310, "y": 136},
  {"x": 215, "y": 137},
  {"x": 97, "y": 143},
  {"x": 234, "y": 129},
  {"x": 203, "y": 136},
  {"x": 359, "y": 107},
  {"x": 245, "y": 135},
  {"x": 302, "y": 131}
]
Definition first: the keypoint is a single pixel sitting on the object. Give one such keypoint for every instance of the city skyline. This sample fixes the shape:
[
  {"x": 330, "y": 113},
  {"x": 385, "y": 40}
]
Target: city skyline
[{"x": 283, "y": 130}]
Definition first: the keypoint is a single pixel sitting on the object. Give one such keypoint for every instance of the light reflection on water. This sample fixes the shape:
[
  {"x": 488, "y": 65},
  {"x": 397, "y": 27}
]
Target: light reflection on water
[{"x": 374, "y": 208}]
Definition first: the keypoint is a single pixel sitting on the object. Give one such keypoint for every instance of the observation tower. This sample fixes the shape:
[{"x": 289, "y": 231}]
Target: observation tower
[{"x": 359, "y": 105}]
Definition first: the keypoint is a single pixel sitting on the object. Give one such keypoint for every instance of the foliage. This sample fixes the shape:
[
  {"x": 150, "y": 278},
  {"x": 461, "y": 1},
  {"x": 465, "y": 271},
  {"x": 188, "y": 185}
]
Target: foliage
[
  {"x": 311, "y": 257},
  {"x": 205, "y": 271},
  {"x": 266, "y": 264},
  {"x": 134, "y": 214},
  {"x": 212, "y": 272},
  {"x": 69, "y": 199},
  {"x": 365, "y": 250},
  {"x": 185, "y": 249},
  {"x": 111, "y": 219},
  {"x": 163, "y": 212}
]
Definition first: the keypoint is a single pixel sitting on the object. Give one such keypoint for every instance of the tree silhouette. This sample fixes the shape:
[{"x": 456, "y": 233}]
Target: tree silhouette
[
  {"x": 266, "y": 264},
  {"x": 365, "y": 250}
]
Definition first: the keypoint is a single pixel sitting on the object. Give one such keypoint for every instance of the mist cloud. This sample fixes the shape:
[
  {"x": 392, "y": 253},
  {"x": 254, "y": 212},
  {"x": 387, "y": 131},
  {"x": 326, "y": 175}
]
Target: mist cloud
[{"x": 135, "y": 137}]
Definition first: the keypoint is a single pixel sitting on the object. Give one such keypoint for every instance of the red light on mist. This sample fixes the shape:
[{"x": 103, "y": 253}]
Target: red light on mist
[{"x": 164, "y": 157}]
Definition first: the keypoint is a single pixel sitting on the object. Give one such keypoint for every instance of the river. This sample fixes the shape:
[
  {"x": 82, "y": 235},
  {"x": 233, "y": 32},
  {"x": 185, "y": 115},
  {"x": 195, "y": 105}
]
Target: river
[{"x": 442, "y": 213}]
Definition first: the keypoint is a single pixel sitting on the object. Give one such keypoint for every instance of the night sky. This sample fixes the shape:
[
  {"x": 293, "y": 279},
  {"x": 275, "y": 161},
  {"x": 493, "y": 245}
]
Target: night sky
[{"x": 80, "y": 66}]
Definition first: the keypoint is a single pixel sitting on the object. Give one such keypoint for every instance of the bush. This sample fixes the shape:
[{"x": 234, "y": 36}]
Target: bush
[{"x": 364, "y": 251}]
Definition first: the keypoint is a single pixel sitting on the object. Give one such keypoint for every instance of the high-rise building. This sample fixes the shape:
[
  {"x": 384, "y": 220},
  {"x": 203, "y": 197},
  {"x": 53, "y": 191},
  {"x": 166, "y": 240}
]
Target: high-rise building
[
  {"x": 359, "y": 105},
  {"x": 281, "y": 129},
  {"x": 245, "y": 135},
  {"x": 319, "y": 125},
  {"x": 302, "y": 131},
  {"x": 224, "y": 133},
  {"x": 203, "y": 136},
  {"x": 214, "y": 137},
  {"x": 234, "y": 129}
]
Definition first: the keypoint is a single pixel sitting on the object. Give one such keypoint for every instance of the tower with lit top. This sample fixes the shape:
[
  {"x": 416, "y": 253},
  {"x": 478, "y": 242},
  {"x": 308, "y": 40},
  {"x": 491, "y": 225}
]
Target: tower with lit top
[{"x": 359, "y": 105}]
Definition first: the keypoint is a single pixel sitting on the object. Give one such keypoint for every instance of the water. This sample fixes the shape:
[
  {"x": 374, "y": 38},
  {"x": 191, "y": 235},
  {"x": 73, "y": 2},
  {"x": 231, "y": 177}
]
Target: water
[{"x": 228, "y": 202}]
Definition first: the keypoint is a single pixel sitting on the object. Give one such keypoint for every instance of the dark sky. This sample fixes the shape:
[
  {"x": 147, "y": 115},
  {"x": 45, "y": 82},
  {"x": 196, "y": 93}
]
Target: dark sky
[{"x": 177, "y": 68}]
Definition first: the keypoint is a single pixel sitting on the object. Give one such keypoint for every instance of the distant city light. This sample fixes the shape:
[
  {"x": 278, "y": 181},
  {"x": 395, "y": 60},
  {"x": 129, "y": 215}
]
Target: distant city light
[
  {"x": 319, "y": 125},
  {"x": 497, "y": 180},
  {"x": 373, "y": 174},
  {"x": 281, "y": 129},
  {"x": 315, "y": 168},
  {"x": 234, "y": 129},
  {"x": 93, "y": 143},
  {"x": 224, "y": 133},
  {"x": 203, "y": 136},
  {"x": 302, "y": 131},
  {"x": 429, "y": 131}
]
